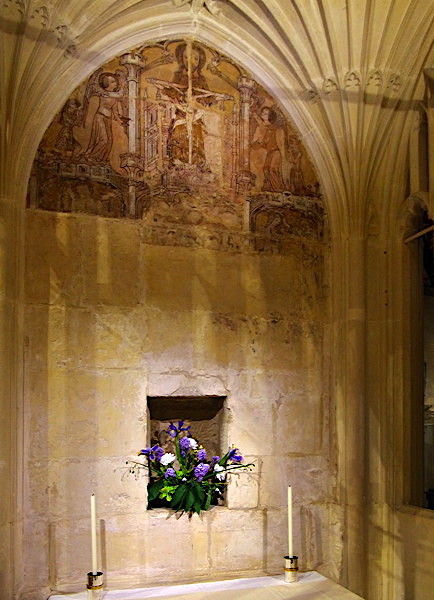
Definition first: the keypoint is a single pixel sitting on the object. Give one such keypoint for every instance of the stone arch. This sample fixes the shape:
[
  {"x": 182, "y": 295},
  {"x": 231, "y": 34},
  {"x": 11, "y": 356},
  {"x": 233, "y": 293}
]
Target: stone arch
[{"x": 269, "y": 73}]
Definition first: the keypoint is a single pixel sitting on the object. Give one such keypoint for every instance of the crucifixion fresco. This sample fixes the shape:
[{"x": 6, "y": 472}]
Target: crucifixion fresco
[{"x": 167, "y": 126}]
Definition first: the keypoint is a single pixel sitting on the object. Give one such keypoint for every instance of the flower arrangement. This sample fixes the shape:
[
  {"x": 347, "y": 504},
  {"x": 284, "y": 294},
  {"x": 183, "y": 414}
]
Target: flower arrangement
[{"x": 187, "y": 480}]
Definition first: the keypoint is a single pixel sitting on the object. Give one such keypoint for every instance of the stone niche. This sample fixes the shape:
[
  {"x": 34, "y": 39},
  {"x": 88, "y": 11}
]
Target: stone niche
[{"x": 204, "y": 415}]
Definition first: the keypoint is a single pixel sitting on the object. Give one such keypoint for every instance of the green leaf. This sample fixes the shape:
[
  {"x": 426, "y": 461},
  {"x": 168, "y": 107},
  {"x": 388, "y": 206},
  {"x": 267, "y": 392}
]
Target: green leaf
[
  {"x": 197, "y": 506},
  {"x": 179, "y": 495},
  {"x": 224, "y": 459},
  {"x": 207, "y": 501},
  {"x": 167, "y": 491},
  {"x": 190, "y": 499},
  {"x": 154, "y": 489},
  {"x": 200, "y": 493}
]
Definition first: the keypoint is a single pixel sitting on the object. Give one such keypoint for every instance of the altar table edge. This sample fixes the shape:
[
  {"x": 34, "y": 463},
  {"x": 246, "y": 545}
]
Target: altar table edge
[{"x": 310, "y": 581}]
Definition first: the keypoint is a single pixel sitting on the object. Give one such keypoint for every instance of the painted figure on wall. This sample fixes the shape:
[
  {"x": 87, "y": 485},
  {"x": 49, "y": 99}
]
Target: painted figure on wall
[
  {"x": 186, "y": 137},
  {"x": 269, "y": 135},
  {"x": 111, "y": 91},
  {"x": 71, "y": 116},
  {"x": 187, "y": 129},
  {"x": 295, "y": 156},
  {"x": 198, "y": 80}
]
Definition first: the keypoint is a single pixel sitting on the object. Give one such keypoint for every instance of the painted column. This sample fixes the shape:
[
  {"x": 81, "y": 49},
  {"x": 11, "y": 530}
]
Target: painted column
[
  {"x": 235, "y": 148},
  {"x": 132, "y": 161},
  {"x": 246, "y": 87}
]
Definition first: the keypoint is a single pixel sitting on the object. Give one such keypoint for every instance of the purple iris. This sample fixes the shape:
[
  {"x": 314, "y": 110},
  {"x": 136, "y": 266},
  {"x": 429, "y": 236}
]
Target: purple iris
[
  {"x": 153, "y": 453},
  {"x": 174, "y": 430},
  {"x": 201, "y": 470},
  {"x": 170, "y": 472},
  {"x": 158, "y": 452},
  {"x": 234, "y": 455},
  {"x": 201, "y": 454},
  {"x": 215, "y": 459}
]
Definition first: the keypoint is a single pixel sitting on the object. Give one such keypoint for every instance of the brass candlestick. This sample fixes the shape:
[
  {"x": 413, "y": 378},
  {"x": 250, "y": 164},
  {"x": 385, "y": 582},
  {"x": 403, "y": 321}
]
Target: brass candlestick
[
  {"x": 291, "y": 569},
  {"x": 95, "y": 584}
]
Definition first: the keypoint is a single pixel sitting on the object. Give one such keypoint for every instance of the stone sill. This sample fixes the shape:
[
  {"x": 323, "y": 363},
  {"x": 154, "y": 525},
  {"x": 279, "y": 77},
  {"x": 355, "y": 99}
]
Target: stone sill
[{"x": 224, "y": 508}]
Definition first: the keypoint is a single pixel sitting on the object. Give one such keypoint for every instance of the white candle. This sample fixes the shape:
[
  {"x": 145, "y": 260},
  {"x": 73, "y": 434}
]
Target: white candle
[
  {"x": 290, "y": 549},
  {"x": 93, "y": 534}
]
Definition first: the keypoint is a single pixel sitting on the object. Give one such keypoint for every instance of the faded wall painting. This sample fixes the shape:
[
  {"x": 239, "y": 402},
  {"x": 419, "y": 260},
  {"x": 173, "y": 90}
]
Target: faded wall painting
[{"x": 174, "y": 132}]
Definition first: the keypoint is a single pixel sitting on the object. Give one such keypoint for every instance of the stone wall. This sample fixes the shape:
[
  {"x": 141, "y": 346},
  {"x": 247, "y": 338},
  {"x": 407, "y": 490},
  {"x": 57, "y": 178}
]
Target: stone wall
[{"x": 112, "y": 319}]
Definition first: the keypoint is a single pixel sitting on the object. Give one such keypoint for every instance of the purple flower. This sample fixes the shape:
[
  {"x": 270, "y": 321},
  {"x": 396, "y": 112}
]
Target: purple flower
[
  {"x": 181, "y": 426},
  {"x": 215, "y": 459},
  {"x": 201, "y": 454},
  {"x": 234, "y": 456},
  {"x": 158, "y": 452},
  {"x": 184, "y": 443},
  {"x": 170, "y": 472},
  {"x": 174, "y": 430},
  {"x": 154, "y": 453},
  {"x": 201, "y": 470}
]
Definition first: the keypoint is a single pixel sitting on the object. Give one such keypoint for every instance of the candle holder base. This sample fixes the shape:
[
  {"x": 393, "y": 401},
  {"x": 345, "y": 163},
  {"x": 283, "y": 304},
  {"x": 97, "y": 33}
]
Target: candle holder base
[
  {"x": 95, "y": 584},
  {"x": 291, "y": 569}
]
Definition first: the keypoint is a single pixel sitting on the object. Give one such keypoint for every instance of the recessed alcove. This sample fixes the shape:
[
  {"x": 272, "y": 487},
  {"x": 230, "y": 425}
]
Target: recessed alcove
[
  {"x": 204, "y": 415},
  {"x": 222, "y": 325}
]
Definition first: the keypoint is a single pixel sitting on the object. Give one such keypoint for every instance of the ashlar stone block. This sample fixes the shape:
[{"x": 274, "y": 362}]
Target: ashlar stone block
[{"x": 243, "y": 488}]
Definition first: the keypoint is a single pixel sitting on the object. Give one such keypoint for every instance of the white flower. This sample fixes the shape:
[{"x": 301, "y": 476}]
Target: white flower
[
  {"x": 167, "y": 458},
  {"x": 193, "y": 443},
  {"x": 217, "y": 470}
]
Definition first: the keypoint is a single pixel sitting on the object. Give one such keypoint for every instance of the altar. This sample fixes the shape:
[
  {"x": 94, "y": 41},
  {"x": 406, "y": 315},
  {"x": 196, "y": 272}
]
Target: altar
[{"x": 310, "y": 586}]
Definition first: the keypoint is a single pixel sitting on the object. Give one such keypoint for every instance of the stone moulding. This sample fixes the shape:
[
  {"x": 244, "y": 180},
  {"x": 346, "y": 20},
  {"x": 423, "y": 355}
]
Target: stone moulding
[
  {"x": 41, "y": 16},
  {"x": 389, "y": 84}
]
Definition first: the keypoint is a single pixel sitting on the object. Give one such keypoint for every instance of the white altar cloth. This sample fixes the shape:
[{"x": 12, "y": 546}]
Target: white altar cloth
[{"x": 310, "y": 586}]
